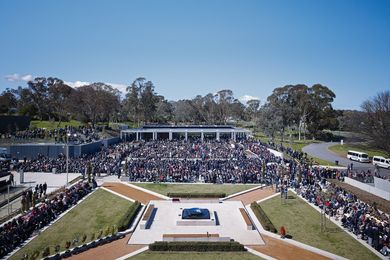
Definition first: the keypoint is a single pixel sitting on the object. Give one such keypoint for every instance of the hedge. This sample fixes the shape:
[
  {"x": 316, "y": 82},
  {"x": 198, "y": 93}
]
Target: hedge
[
  {"x": 129, "y": 216},
  {"x": 263, "y": 218},
  {"x": 198, "y": 246},
  {"x": 196, "y": 195}
]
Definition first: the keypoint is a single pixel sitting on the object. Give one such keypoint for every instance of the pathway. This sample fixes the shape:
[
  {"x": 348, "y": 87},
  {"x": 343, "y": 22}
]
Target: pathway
[
  {"x": 255, "y": 195},
  {"x": 282, "y": 250},
  {"x": 108, "y": 251},
  {"x": 130, "y": 192}
]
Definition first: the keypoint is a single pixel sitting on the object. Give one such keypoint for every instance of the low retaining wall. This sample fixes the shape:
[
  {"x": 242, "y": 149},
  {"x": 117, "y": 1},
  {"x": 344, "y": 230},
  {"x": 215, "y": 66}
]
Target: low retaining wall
[
  {"x": 52, "y": 150},
  {"x": 382, "y": 184},
  {"x": 373, "y": 190}
]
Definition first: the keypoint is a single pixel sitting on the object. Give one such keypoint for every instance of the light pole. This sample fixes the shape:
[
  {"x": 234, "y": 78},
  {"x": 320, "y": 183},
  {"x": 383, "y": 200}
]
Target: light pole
[{"x": 67, "y": 159}]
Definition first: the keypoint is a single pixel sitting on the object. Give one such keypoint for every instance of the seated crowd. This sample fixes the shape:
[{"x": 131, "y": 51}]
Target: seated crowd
[
  {"x": 244, "y": 161},
  {"x": 365, "y": 221},
  {"x": 18, "y": 230},
  {"x": 76, "y": 135}
]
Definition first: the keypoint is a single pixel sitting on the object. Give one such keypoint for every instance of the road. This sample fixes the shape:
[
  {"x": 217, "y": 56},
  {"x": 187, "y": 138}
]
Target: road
[{"x": 320, "y": 150}]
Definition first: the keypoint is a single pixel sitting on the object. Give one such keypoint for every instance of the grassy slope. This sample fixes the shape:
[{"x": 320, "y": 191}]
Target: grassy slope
[
  {"x": 302, "y": 222},
  {"x": 195, "y": 188},
  {"x": 90, "y": 216},
  {"x": 371, "y": 151},
  {"x": 148, "y": 255},
  {"x": 53, "y": 125}
]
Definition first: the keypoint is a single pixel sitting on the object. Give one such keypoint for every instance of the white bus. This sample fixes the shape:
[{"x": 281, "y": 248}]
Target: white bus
[
  {"x": 358, "y": 156},
  {"x": 381, "y": 161}
]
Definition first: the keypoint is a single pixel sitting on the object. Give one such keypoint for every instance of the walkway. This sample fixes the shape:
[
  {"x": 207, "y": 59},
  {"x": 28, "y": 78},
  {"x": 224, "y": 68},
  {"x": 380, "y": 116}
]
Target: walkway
[
  {"x": 109, "y": 251},
  {"x": 282, "y": 250},
  {"x": 130, "y": 192},
  {"x": 255, "y": 195}
]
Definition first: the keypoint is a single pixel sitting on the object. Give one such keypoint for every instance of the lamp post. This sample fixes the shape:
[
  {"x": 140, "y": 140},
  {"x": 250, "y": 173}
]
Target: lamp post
[{"x": 67, "y": 158}]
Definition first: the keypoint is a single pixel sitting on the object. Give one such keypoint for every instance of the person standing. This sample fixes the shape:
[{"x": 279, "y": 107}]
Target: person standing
[{"x": 44, "y": 187}]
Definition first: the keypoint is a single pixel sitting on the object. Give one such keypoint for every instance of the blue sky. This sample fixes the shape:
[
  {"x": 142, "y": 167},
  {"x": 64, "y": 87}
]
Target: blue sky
[{"x": 197, "y": 47}]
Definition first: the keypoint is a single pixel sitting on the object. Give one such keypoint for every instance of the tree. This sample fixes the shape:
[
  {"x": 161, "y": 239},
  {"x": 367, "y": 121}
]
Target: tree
[
  {"x": 377, "y": 122},
  {"x": 141, "y": 101},
  {"x": 96, "y": 102},
  {"x": 253, "y": 108},
  {"x": 39, "y": 96},
  {"x": 8, "y": 102},
  {"x": 59, "y": 98}
]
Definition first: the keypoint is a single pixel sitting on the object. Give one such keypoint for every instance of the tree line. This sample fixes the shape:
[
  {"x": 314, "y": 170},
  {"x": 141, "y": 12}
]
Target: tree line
[{"x": 305, "y": 109}]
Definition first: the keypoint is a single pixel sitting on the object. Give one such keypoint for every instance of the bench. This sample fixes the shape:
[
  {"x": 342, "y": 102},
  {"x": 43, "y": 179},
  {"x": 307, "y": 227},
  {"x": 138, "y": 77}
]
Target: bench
[
  {"x": 248, "y": 222},
  {"x": 146, "y": 219}
]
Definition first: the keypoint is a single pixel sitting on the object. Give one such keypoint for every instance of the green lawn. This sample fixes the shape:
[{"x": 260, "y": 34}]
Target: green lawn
[
  {"x": 164, "y": 189},
  {"x": 53, "y": 124},
  {"x": 98, "y": 212},
  {"x": 362, "y": 147},
  {"x": 302, "y": 222},
  {"x": 149, "y": 255}
]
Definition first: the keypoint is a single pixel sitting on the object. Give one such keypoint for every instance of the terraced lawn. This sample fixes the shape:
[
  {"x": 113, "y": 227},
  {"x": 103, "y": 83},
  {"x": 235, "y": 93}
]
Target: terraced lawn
[
  {"x": 97, "y": 213},
  {"x": 303, "y": 223}
]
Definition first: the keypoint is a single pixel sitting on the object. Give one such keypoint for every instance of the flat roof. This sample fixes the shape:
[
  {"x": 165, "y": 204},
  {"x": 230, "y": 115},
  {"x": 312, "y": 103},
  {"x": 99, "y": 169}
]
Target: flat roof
[{"x": 185, "y": 126}]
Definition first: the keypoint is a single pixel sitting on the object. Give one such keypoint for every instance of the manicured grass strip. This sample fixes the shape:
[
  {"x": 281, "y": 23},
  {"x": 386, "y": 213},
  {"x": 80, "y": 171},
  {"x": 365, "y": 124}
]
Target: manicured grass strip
[
  {"x": 164, "y": 188},
  {"x": 96, "y": 214},
  {"x": 53, "y": 124},
  {"x": 150, "y": 255},
  {"x": 365, "y": 196},
  {"x": 263, "y": 218},
  {"x": 361, "y": 147},
  {"x": 196, "y": 195},
  {"x": 303, "y": 223},
  {"x": 196, "y": 246}
]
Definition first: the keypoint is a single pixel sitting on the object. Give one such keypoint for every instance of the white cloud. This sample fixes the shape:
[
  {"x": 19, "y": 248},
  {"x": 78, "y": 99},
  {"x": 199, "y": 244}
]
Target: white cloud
[
  {"x": 77, "y": 84},
  {"x": 245, "y": 98},
  {"x": 17, "y": 77}
]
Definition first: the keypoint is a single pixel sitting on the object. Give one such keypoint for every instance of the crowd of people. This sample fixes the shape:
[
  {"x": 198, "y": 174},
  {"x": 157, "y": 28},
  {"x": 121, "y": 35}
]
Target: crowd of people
[
  {"x": 364, "y": 220},
  {"x": 76, "y": 135},
  {"x": 18, "y": 230},
  {"x": 244, "y": 161}
]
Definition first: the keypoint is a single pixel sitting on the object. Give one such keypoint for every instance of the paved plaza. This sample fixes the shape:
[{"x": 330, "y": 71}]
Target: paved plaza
[
  {"x": 231, "y": 223},
  {"x": 53, "y": 181}
]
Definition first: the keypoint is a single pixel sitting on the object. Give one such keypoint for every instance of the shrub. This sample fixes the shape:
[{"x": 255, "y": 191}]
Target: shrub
[
  {"x": 129, "y": 216},
  {"x": 196, "y": 246},
  {"x": 100, "y": 234},
  {"x": 46, "y": 252},
  {"x": 67, "y": 244},
  {"x": 83, "y": 238},
  {"x": 93, "y": 237},
  {"x": 263, "y": 218},
  {"x": 197, "y": 195}
]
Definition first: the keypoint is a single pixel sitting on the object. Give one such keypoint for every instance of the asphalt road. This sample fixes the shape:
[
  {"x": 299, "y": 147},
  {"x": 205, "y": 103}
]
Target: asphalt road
[{"x": 320, "y": 150}]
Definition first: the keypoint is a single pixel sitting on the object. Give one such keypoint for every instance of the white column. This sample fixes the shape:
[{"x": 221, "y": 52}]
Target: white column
[
  {"x": 217, "y": 136},
  {"x": 170, "y": 136},
  {"x": 234, "y": 136},
  {"x": 154, "y": 136},
  {"x": 186, "y": 136},
  {"x": 137, "y": 136},
  {"x": 201, "y": 136}
]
